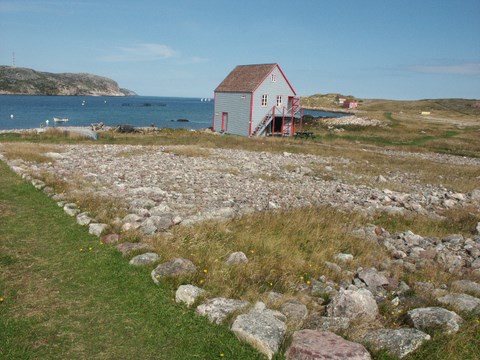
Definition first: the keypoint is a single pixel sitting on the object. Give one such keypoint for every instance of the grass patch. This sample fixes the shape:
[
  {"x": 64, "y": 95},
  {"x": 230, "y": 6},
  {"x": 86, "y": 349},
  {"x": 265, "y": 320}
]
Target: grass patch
[
  {"x": 28, "y": 151},
  {"x": 285, "y": 249},
  {"x": 60, "y": 302}
]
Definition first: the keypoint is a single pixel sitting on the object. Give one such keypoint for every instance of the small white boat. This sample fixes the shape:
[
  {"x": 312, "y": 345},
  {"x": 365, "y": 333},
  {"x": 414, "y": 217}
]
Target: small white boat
[{"x": 60, "y": 120}]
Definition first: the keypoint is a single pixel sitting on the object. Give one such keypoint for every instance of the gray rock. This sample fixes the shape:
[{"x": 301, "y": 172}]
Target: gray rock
[
  {"x": 435, "y": 318},
  {"x": 332, "y": 266},
  {"x": 173, "y": 268},
  {"x": 476, "y": 264},
  {"x": 323, "y": 289},
  {"x": 132, "y": 218},
  {"x": 295, "y": 312},
  {"x": 84, "y": 219},
  {"x": 131, "y": 226},
  {"x": 71, "y": 209},
  {"x": 127, "y": 248},
  {"x": 261, "y": 329},
  {"x": 344, "y": 257},
  {"x": 148, "y": 227},
  {"x": 353, "y": 304},
  {"x": 461, "y": 302},
  {"x": 160, "y": 210},
  {"x": 477, "y": 228},
  {"x": 467, "y": 287},
  {"x": 235, "y": 258},
  {"x": 163, "y": 222},
  {"x": 96, "y": 229},
  {"x": 398, "y": 342},
  {"x": 375, "y": 281},
  {"x": 326, "y": 323},
  {"x": 217, "y": 309},
  {"x": 188, "y": 294},
  {"x": 380, "y": 178},
  {"x": 313, "y": 345},
  {"x": 144, "y": 259}
]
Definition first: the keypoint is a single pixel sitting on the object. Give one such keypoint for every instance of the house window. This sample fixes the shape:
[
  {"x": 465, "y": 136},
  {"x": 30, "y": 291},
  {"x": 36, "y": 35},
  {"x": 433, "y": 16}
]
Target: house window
[
  {"x": 274, "y": 77},
  {"x": 279, "y": 100},
  {"x": 264, "y": 100}
]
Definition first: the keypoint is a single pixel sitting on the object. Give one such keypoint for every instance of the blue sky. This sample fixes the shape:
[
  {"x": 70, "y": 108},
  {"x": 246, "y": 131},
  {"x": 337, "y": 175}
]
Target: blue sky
[{"x": 398, "y": 49}]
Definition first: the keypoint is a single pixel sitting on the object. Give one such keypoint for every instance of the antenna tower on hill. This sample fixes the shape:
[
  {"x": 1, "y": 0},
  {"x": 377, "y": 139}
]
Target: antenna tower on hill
[{"x": 13, "y": 59}]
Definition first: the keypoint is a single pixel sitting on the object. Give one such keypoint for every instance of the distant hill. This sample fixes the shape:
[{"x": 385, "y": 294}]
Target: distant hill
[
  {"x": 444, "y": 107},
  {"x": 15, "y": 80}
]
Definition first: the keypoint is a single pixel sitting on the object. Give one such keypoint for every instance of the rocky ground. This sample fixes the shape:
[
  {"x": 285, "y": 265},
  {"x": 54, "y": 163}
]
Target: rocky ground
[{"x": 162, "y": 187}]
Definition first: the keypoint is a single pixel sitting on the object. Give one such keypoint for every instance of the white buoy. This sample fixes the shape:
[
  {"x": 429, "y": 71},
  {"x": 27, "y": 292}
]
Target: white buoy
[{"x": 11, "y": 116}]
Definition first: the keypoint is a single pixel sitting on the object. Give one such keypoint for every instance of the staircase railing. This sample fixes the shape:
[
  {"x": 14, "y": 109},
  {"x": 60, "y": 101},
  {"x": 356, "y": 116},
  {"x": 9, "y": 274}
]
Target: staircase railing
[{"x": 265, "y": 122}]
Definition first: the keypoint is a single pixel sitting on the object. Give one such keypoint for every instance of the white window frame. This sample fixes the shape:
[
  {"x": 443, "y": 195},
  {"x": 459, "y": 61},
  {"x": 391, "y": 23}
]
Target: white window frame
[
  {"x": 274, "y": 77},
  {"x": 264, "y": 100},
  {"x": 279, "y": 100}
]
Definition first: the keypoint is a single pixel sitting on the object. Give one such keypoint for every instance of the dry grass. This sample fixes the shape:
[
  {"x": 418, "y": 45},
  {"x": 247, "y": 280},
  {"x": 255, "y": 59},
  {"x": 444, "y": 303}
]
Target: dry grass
[
  {"x": 187, "y": 150},
  {"x": 28, "y": 151},
  {"x": 285, "y": 249}
]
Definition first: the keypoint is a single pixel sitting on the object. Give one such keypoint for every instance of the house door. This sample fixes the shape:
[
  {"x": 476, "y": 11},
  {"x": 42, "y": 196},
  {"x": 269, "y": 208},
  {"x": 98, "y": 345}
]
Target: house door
[
  {"x": 290, "y": 102},
  {"x": 224, "y": 121}
]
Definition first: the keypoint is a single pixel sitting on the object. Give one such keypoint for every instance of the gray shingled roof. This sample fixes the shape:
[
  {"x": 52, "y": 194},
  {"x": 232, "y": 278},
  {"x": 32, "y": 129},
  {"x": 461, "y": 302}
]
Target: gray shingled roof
[{"x": 245, "y": 78}]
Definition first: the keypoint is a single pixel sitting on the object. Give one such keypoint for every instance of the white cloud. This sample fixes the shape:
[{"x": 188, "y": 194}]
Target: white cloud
[
  {"x": 140, "y": 52},
  {"x": 459, "y": 69}
]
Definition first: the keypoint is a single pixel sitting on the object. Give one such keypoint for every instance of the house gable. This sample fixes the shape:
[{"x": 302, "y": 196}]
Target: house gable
[{"x": 239, "y": 97}]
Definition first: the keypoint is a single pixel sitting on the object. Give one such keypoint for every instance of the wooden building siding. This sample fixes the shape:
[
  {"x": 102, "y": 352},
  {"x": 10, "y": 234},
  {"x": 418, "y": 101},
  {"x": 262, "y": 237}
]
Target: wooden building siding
[
  {"x": 234, "y": 97},
  {"x": 237, "y": 105},
  {"x": 272, "y": 89}
]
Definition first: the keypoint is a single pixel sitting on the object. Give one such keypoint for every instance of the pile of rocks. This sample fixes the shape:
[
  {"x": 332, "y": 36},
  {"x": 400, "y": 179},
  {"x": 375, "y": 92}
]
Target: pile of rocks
[
  {"x": 353, "y": 312},
  {"x": 162, "y": 189},
  {"x": 350, "y": 120}
]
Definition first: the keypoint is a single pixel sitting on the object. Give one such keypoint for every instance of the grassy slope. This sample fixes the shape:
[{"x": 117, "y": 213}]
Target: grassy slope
[{"x": 59, "y": 302}]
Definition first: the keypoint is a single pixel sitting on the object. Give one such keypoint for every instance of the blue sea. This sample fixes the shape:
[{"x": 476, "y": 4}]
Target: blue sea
[{"x": 25, "y": 112}]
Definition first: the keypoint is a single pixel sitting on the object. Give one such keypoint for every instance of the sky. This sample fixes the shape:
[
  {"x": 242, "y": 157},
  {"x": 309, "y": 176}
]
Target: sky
[{"x": 389, "y": 49}]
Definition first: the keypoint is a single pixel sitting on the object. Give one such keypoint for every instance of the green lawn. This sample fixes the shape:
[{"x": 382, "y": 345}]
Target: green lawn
[{"x": 63, "y": 295}]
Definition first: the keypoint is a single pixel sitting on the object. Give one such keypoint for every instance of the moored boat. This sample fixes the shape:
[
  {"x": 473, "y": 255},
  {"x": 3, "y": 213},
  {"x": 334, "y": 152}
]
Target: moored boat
[{"x": 60, "y": 120}]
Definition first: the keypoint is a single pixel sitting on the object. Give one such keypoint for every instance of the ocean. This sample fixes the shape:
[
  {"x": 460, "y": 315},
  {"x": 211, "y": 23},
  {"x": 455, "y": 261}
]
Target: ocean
[{"x": 26, "y": 112}]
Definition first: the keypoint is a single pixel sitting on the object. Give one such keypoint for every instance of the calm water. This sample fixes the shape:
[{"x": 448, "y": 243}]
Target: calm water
[{"x": 33, "y": 111}]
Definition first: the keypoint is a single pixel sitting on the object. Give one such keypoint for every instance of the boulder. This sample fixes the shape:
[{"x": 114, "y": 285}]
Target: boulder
[
  {"x": 96, "y": 229},
  {"x": 326, "y": 323},
  {"x": 144, "y": 259},
  {"x": 84, "y": 219},
  {"x": 173, "y": 268},
  {"x": 344, "y": 257},
  {"x": 375, "y": 281},
  {"x": 461, "y": 302},
  {"x": 397, "y": 342},
  {"x": 261, "y": 329},
  {"x": 467, "y": 287},
  {"x": 188, "y": 294},
  {"x": 433, "y": 319},
  {"x": 313, "y": 345},
  {"x": 148, "y": 227},
  {"x": 217, "y": 309},
  {"x": 71, "y": 209},
  {"x": 235, "y": 258},
  {"x": 127, "y": 248},
  {"x": 162, "y": 223},
  {"x": 354, "y": 305},
  {"x": 295, "y": 311}
]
